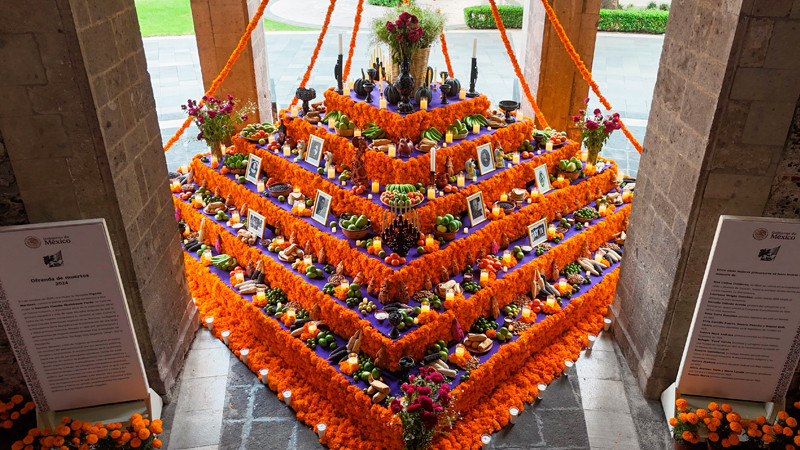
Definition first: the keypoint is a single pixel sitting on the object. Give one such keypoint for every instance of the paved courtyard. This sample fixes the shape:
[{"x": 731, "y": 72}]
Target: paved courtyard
[{"x": 625, "y": 67}]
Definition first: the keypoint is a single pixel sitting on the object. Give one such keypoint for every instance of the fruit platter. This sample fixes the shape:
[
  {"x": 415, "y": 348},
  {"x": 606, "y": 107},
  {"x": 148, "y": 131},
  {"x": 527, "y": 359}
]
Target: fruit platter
[
  {"x": 354, "y": 226},
  {"x": 402, "y": 195},
  {"x": 236, "y": 163},
  {"x": 258, "y": 132}
]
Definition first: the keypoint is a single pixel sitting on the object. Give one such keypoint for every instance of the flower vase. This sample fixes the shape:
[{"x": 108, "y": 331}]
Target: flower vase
[
  {"x": 217, "y": 149},
  {"x": 405, "y": 86},
  {"x": 592, "y": 152}
]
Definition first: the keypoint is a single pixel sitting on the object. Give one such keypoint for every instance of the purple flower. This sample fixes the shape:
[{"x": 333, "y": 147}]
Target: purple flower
[
  {"x": 390, "y": 27},
  {"x": 597, "y": 111},
  {"x": 591, "y": 125}
]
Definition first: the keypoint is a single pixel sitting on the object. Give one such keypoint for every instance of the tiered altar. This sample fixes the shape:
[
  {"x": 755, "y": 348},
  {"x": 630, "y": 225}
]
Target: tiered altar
[{"x": 336, "y": 325}]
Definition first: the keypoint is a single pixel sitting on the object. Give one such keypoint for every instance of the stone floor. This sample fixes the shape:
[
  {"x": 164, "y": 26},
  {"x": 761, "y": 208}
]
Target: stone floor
[
  {"x": 625, "y": 67},
  {"x": 222, "y": 405}
]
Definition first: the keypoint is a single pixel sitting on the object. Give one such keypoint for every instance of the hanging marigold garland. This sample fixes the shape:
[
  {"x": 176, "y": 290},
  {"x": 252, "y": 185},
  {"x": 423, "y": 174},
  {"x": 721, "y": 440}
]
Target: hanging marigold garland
[
  {"x": 525, "y": 88},
  {"x": 356, "y": 24},
  {"x": 255, "y": 21},
  {"x": 316, "y": 49},
  {"x": 581, "y": 66},
  {"x": 446, "y": 56}
]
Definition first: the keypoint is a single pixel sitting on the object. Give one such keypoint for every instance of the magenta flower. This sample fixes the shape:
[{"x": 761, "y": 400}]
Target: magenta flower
[
  {"x": 396, "y": 406},
  {"x": 413, "y": 407},
  {"x": 212, "y": 114},
  {"x": 429, "y": 419},
  {"x": 586, "y": 100},
  {"x": 591, "y": 125},
  {"x": 597, "y": 111},
  {"x": 390, "y": 27},
  {"x": 436, "y": 377},
  {"x": 424, "y": 390},
  {"x": 576, "y": 118},
  {"x": 426, "y": 403}
]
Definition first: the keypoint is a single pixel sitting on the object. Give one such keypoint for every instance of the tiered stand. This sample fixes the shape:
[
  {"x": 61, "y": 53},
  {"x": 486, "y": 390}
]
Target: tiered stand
[{"x": 509, "y": 372}]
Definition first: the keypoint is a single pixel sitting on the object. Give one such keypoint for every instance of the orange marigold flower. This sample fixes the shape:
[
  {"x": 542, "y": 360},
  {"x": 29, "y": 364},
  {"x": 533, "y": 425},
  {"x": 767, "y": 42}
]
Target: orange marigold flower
[
  {"x": 702, "y": 413},
  {"x": 136, "y": 417},
  {"x": 7, "y": 424},
  {"x": 777, "y": 428},
  {"x": 767, "y": 438},
  {"x": 673, "y": 421},
  {"x": 736, "y": 427},
  {"x": 717, "y": 415},
  {"x": 692, "y": 418},
  {"x": 91, "y": 438},
  {"x": 76, "y": 425},
  {"x": 84, "y": 447},
  {"x": 713, "y": 406},
  {"x": 726, "y": 408},
  {"x": 797, "y": 440},
  {"x": 115, "y": 434},
  {"x": 76, "y": 441},
  {"x": 14, "y": 415},
  {"x": 156, "y": 443},
  {"x": 725, "y": 443},
  {"x": 687, "y": 435},
  {"x": 125, "y": 437},
  {"x": 65, "y": 420},
  {"x": 733, "y": 439},
  {"x": 712, "y": 427},
  {"x": 17, "y": 399},
  {"x": 135, "y": 443},
  {"x": 28, "y": 440},
  {"x": 62, "y": 430},
  {"x": 681, "y": 404},
  {"x": 713, "y": 437},
  {"x": 102, "y": 433},
  {"x": 716, "y": 422},
  {"x": 144, "y": 433},
  {"x": 791, "y": 421},
  {"x": 752, "y": 433},
  {"x": 682, "y": 417},
  {"x": 58, "y": 441},
  {"x": 787, "y": 431},
  {"x": 17, "y": 445},
  {"x": 766, "y": 428},
  {"x": 732, "y": 417},
  {"x": 782, "y": 415}
]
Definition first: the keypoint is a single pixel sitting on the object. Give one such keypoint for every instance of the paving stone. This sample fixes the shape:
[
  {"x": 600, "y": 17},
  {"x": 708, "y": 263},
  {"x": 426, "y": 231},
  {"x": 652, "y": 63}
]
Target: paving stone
[
  {"x": 563, "y": 428},
  {"x": 270, "y": 435},
  {"x": 525, "y": 433},
  {"x": 604, "y": 395},
  {"x": 267, "y": 405},
  {"x": 599, "y": 364},
  {"x": 202, "y": 394},
  {"x": 237, "y": 403},
  {"x": 559, "y": 395},
  {"x": 306, "y": 438},
  {"x": 231, "y": 438},
  {"x": 196, "y": 429},
  {"x": 240, "y": 374}
]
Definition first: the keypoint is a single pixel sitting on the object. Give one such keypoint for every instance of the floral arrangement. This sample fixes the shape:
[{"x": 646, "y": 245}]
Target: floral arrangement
[
  {"x": 684, "y": 429},
  {"x": 595, "y": 130},
  {"x": 141, "y": 434},
  {"x": 425, "y": 409},
  {"x": 407, "y": 28},
  {"x": 216, "y": 118}
]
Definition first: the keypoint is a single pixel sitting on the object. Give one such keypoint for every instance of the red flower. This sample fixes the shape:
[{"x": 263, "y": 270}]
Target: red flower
[
  {"x": 591, "y": 125},
  {"x": 429, "y": 419},
  {"x": 396, "y": 406},
  {"x": 390, "y": 27},
  {"x": 426, "y": 403}
]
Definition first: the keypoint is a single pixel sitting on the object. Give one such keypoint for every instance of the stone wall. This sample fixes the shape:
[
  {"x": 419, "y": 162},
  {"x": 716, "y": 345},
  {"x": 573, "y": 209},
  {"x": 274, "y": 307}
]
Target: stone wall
[
  {"x": 724, "y": 99},
  {"x": 79, "y": 124}
]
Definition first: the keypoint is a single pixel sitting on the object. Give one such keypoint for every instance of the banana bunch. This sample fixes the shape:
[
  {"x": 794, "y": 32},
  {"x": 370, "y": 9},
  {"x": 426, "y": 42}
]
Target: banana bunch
[
  {"x": 471, "y": 120},
  {"x": 431, "y": 134},
  {"x": 401, "y": 188},
  {"x": 373, "y": 131},
  {"x": 331, "y": 115},
  {"x": 458, "y": 128},
  {"x": 223, "y": 262}
]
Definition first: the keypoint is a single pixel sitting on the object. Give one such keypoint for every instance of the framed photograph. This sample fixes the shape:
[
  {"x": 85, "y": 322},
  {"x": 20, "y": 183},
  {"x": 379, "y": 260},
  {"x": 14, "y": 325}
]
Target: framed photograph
[
  {"x": 314, "y": 155},
  {"x": 322, "y": 207},
  {"x": 255, "y": 223},
  {"x": 485, "y": 159},
  {"x": 537, "y": 232},
  {"x": 542, "y": 179},
  {"x": 253, "y": 169},
  {"x": 476, "y": 209}
]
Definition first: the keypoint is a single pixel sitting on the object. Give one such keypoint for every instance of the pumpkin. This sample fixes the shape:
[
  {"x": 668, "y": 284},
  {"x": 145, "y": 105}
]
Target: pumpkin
[
  {"x": 455, "y": 86},
  {"x": 363, "y": 86},
  {"x": 423, "y": 91},
  {"x": 391, "y": 94}
]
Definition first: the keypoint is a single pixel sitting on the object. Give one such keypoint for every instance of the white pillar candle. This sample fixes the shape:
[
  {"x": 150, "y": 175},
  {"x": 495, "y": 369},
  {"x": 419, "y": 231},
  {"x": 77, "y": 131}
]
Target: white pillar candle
[
  {"x": 244, "y": 352},
  {"x": 514, "y": 413},
  {"x": 321, "y": 427},
  {"x": 462, "y": 94},
  {"x": 515, "y": 157},
  {"x": 264, "y": 376},
  {"x": 340, "y": 43},
  {"x": 592, "y": 338},
  {"x": 476, "y": 127},
  {"x": 226, "y": 336},
  {"x": 382, "y": 103},
  {"x": 567, "y": 366},
  {"x": 542, "y": 388},
  {"x": 331, "y": 172},
  {"x": 460, "y": 180},
  {"x": 431, "y": 193},
  {"x": 210, "y": 323},
  {"x": 606, "y": 324},
  {"x": 485, "y": 441},
  {"x": 549, "y": 146},
  {"x": 287, "y": 397},
  {"x": 433, "y": 159},
  {"x": 475, "y": 47}
]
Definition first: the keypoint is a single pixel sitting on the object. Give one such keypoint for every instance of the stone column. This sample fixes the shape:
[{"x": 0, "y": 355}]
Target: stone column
[
  {"x": 78, "y": 121},
  {"x": 548, "y": 69},
  {"x": 218, "y": 25},
  {"x": 716, "y": 143}
]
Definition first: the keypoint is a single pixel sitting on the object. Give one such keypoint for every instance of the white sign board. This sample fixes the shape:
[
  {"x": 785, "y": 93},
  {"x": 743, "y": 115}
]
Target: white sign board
[
  {"x": 744, "y": 341},
  {"x": 64, "y": 310}
]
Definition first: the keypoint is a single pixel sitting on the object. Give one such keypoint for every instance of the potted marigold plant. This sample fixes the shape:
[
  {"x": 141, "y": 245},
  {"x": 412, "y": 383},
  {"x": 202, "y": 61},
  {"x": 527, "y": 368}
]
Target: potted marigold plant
[
  {"x": 759, "y": 434},
  {"x": 684, "y": 426},
  {"x": 425, "y": 409},
  {"x": 724, "y": 426},
  {"x": 595, "y": 130},
  {"x": 785, "y": 432},
  {"x": 216, "y": 119}
]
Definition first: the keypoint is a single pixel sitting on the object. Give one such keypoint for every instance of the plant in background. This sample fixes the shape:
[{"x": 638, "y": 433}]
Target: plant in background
[
  {"x": 216, "y": 119},
  {"x": 75, "y": 434},
  {"x": 684, "y": 429},
  {"x": 425, "y": 410},
  {"x": 595, "y": 130},
  {"x": 430, "y": 23}
]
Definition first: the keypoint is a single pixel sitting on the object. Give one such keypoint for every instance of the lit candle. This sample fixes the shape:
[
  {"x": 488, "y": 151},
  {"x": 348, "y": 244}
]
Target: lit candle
[
  {"x": 214, "y": 162},
  {"x": 549, "y": 146},
  {"x": 347, "y": 90},
  {"x": 460, "y": 350},
  {"x": 312, "y": 328},
  {"x": 331, "y": 172},
  {"x": 225, "y": 336},
  {"x": 448, "y": 137},
  {"x": 382, "y": 103},
  {"x": 484, "y": 276},
  {"x": 260, "y": 186},
  {"x": 176, "y": 185},
  {"x": 357, "y": 132},
  {"x": 429, "y": 240},
  {"x": 476, "y": 127},
  {"x": 551, "y": 301},
  {"x": 293, "y": 111},
  {"x": 296, "y": 190},
  {"x": 589, "y": 168},
  {"x": 345, "y": 285},
  {"x": 562, "y": 284},
  {"x": 598, "y": 257},
  {"x": 423, "y": 104},
  {"x": 271, "y": 139},
  {"x": 526, "y": 312},
  {"x": 560, "y": 178},
  {"x": 210, "y": 323},
  {"x": 475, "y": 47},
  {"x": 551, "y": 231},
  {"x": 331, "y": 123},
  {"x": 460, "y": 180},
  {"x": 375, "y": 187},
  {"x": 507, "y": 257},
  {"x": 496, "y": 210},
  {"x": 450, "y": 294},
  {"x": 515, "y": 157},
  {"x": 376, "y": 244},
  {"x": 184, "y": 169},
  {"x": 503, "y": 197},
  {"x": 244, "y": 352},
  {"x": 462, "y": 94},
  {"x": 466, "y": 230},
  {"x": 425, "y": 307},
  {"x": 475, "y": 178},
  {"x": 291, "y": 314},
  {"x": 239, "y": 276},
  {"x": 235, "y": 218},
  {"x": 286, "y": 150},
  {"x": 431, "y": 193},
  {"x": 206, "y": 260},
  {"x": 392, "y": 151},
  {"x": 307, "y": 260},
  {"x": 433, "y": 159},
  {"x": 369, "y": 196},
  {"x": 602, "y": 210},
  {"x": 279, "y": 240},
  {"x": 261, "y": 295},
  {"x": 352, "y": 359}
]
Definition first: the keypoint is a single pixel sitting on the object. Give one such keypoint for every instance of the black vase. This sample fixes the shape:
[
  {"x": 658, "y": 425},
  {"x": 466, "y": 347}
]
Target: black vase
[{"x": 405, "y": 86}]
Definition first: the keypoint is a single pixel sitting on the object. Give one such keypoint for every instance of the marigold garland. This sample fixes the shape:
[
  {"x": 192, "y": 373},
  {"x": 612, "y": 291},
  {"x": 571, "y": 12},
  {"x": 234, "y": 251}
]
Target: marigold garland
[
  {"x": 243, "y": 41},
  {"x": 525, "y": 88},
  {"x": 576, "y": 58},
  {"x": 356, "y": 24},
  {"x": 314, "y": 55},
  {"x": 446, "y": 56}
]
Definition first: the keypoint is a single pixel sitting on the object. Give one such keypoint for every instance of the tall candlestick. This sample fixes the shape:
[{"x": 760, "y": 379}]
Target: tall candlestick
[
  {"x": 474, "y": 48},
  {"x": 340, "y": 43},
  {"x": 433, "y": 159}
]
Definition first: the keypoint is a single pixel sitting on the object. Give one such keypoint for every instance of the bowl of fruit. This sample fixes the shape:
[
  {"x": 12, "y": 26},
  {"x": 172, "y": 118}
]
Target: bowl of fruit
[
  {"x": 236, "y": 163},
  {"x": 402, "y": 195},
  {"x": 446, "y": 227},
  {"x": 354, "y": 226},
  {"x": 258, "y": 132},
  {"x": 586, "y": 214},
  {"x": 542, "y": 137},
  {"x": 570, "y": 168}
]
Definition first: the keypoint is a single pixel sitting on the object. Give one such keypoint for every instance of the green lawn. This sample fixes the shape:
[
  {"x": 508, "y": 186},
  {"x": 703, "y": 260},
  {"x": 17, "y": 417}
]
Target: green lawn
[{"x": 174, "y": 17}]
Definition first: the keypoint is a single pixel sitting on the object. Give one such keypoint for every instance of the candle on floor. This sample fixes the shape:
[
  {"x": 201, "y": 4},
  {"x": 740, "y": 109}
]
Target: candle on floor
[
  {"x": 293, "y": 111},
  {"x": 264, "y": 376},
  {"x": 244, "y": 352},
  {"x": 235, "y": 218},
  {"x": 460, "y": 350},
  {"x": 598, "y": 257},
  {"x": 503, "y": 197},
  {"x": 551, "y": 301},
  {"x": 431, "y": 193},
  {"x": 429, "y": 240},
  {"x": 549, "y": 146},
  {"x": 312, "y": 328},
  {"x": 475, "y": 178},
  {"x": 375, "y": 187},
  {"x": 346, "y": 91},
  {"x": 271, "y": 139},
  {"x": 462, "y": 94},
  {"x": 466, "y": 230},
  {"x": 485, "y": 439},
  {"x": 551, "y": 231},
  {"x": 301, "y": 206},
  {"x": 279, "y": 240},
  {"x": 460, "y": 180},
  {"x": 423, "y": 104},
  {"x": 291, "y": 314},
  {"x": 376, "y": 244},
  {"x": 567, "y": 366},
  {"x": 226, "y": 336},
  {"x": 345, "y": 285},
  {"x": 514, "y": 413},
  {"x": 260, "y": 186},
  {"x": 287, "y": 397},
  {"x": 592, "y": 339},
  {"x": 606, "y": 324},
  {"x": 515, "y": 157},
  {"x": 210, "y": 323},
  {"x": 560, "y": 178},
  {"x": 175, "y": 186},
  {"x": 562, "y": 284}
]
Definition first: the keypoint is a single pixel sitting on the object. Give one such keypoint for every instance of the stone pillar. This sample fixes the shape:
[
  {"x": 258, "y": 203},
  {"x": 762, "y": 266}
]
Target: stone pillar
[
  {"x": 79, "y": 125},
  {"x": 218, "y": 25},
  {"x": 716, "y": 143},
  {"x": 548, "y": 69}
]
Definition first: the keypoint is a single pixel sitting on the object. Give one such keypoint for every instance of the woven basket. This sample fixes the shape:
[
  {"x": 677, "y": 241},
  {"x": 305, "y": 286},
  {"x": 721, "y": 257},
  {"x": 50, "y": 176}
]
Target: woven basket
[{"x": 419, "y": 64}]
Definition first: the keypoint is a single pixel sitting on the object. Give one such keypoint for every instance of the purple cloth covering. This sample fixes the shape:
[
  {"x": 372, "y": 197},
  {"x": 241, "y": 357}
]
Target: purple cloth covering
[{"x": 436, "y": 101}]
